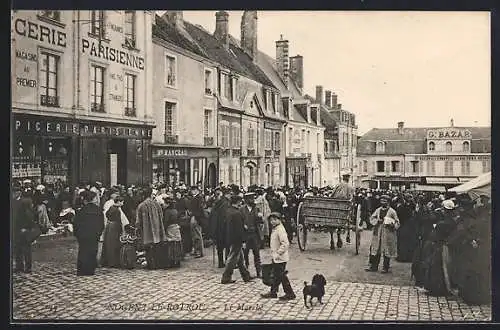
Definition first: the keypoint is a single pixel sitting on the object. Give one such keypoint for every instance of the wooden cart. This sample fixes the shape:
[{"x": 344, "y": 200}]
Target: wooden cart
[{"x": 326, "y": 214}]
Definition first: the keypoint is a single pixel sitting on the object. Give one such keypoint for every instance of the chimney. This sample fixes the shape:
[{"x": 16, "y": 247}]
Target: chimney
[
  {"x": 222, "y": 27},
  {"x": 328, "y": 98},
  {"x": 334, "y": 100},
  {"x": 249, "y": 33},
  {"x": 282, "y": 59},
  {"x": 319, "y": 94},
  {"x": 175, "y": 17},
  {"x": 451, "y": 122},
  {"x": 401, "y": 125},
  {"x": 318, "y": 116},
  {"x": 297, "y": 70},
  {"x": 339, "y": 106}
]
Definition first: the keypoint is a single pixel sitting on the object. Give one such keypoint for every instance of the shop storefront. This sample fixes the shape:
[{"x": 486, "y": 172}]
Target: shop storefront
[
  {"x": 184, "y": 165},
  {"x": 297, "y": 172},
  {"x": 61, "y": 151}
]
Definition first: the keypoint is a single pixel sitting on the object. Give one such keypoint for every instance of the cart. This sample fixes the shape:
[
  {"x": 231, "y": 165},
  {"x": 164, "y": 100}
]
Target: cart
[{"x": 326, "y": 214}]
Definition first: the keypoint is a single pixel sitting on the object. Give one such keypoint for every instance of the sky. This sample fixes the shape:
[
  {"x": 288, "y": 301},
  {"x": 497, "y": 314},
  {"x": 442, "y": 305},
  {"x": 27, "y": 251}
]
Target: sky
[{"x": 421, "y": 68}]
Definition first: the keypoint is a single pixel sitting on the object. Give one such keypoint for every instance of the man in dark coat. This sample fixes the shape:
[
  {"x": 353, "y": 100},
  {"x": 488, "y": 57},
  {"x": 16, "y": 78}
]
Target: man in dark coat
[
  {"x": 235, "y": 235},
  {"x": 407, "y": 236},
  {"x": 23, "y": 223},
  {"x": 182, "y": 207},
  {"x": 252, "y": 221},
  {"x": 217, "y": 222},
  {"x": 88, "y": 227},
  {"x": 293, "y": 202}
]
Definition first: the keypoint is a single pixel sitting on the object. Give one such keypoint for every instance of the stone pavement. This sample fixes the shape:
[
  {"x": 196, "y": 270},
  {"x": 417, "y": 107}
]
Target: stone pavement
[{"x": 193, "y": 292}]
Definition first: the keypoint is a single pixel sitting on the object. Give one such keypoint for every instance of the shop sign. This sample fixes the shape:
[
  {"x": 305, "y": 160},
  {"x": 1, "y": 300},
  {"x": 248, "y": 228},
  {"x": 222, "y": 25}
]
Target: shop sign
[
  {"x": 103, "y": 130},
  {"x": 448, "y": 133},
  {"x": 112, "y": 54},
  {"x": 272, "y": 125},
  {"x": 48, "y": 127},
  {"x": 40, "y": 32},
  {"x": 171, "y": 152}
]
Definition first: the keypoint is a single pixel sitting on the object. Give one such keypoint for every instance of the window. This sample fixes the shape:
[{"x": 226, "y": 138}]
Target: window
[
  {"x": 224, "y": 128},
  {"x": 97, "y": 89},
  {"x": 130, "y": 28},
  {"x": 414, "y": 166},
  {"x": 380, "y": 147},
  {"x": 51, "y": 14},
  {"x": 207, "y": 123},
  {"x": 49, "y": 79},
  {"x": 130, "y": 84},
  {"x": 365, "y": 166},
  {"x": 395, "y": 166},
  {"x": 432, "y": 146},
  {"x": 308, "y": 139},
  {"x": 380, "y": 166},
  {"x": 290, "y": 139},
  {"x": 235, "y": 136},
  {"x": 171, "y": 67},
  {"x": 465, "y": 146},
  {"x": 232, "y": 88},
  {"x": 302, "y": 140},
  {"x": 97, "y": 23},
  {"x": 431, "y": 167},
  {"x": 465, "y": 167},
  {"x": 268, "y": 144},
  {"x": 448, "y": 168},
  {"x": 208, "y": 82},
  {"x": 486, "y": 166},
  {"x": 448, "y": 146},
  {"x": 275, "y": 102},
  {"x": 170, "y": 118},
  {"x": 251, "y": 138},
  {"x": 231, "y": 174},
  {"x": 277, "y": 141},
  {"x": 227, "y": 87}
]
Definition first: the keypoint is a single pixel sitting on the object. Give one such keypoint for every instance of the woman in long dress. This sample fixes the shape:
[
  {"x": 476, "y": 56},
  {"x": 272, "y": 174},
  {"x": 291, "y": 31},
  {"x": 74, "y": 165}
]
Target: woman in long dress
[
  {"x": 173, "y": 245},
  {"x": 111, "y": 245}
]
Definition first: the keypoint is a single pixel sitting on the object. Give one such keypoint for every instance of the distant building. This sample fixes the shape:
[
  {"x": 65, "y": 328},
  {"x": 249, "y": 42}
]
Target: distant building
[{"x": 420, "y": 158}]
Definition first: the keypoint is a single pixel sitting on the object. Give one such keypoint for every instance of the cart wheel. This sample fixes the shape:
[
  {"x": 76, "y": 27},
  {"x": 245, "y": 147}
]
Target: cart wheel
[{"x": 301, "y": 230}]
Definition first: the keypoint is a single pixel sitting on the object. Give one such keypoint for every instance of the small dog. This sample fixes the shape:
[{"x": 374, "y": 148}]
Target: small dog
[{"x": 315, "y": 290}]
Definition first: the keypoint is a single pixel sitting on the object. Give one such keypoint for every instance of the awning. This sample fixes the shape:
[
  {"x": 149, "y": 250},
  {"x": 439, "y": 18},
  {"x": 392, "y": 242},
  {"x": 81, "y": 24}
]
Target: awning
[
  {"x": 476, "y": 187},
  {"x": 423, "y": 187},
  {"x": 437, "y": 180}
]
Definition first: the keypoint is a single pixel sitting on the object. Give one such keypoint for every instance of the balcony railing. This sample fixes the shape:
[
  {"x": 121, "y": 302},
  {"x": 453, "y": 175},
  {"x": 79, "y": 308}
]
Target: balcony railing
[
  {"x": 208, "y": 141},
  {"x": 130, "y": 112},
  {"x": 236, "y": 152},
  {"x": 171, "y": 139},
  {"x": 277, "y": 152},
  {"x": 49, "y": 101},
  {"x": 224, "y": 153},
  {"x": 251, "y": 152},
  {"x": 268, "y": 153}
]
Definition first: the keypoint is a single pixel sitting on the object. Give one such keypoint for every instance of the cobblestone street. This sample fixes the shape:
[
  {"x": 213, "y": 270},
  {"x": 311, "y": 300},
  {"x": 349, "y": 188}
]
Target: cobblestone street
[{"x": 194, "y": 292}]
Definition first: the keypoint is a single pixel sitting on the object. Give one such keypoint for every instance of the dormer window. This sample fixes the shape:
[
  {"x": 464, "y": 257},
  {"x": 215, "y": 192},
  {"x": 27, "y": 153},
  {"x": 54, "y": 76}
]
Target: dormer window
[
  {"x": 130, "y": 30},
  {"x": 380, "y": 147}
]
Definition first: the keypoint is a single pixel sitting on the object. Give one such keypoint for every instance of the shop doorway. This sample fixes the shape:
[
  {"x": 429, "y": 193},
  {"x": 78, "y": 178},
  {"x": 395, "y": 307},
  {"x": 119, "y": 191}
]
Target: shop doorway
[
  {"x": 212, "y": 175},
  {"x": 117, "y": 161},
  {"x": 250, "y": 174}
]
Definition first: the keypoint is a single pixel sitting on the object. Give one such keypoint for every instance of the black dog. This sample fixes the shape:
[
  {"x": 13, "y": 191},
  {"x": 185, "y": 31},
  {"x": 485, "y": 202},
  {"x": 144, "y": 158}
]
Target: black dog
[{"x": 315, "y": 290}]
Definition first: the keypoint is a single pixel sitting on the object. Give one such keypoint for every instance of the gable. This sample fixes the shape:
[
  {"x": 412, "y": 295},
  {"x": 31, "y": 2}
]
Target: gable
[{"x": 252, "y": 105}]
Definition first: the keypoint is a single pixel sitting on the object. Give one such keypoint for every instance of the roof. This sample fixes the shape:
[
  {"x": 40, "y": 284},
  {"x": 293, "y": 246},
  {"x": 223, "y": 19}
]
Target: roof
[
  {"x": 298, "y": 113},
  {"x": 326, "y": 118},
  {"x": 166, "y": 31},
  {"x": 268, "y": 65},
  {"x": 234, "y": 58},
  {"x": 418, "y": 133}
]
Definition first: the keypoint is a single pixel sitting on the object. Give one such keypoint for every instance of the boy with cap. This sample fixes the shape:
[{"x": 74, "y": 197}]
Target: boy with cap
[{"x": 279, "y": 251}]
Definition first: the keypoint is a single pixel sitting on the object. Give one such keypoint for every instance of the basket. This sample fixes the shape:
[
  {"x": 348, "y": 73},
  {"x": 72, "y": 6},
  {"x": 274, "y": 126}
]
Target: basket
[{"x": 268, "y": 274}]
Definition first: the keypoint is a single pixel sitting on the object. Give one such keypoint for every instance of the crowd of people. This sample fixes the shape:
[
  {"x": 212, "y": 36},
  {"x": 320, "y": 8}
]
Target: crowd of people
[{"x": 445, "y": 237}]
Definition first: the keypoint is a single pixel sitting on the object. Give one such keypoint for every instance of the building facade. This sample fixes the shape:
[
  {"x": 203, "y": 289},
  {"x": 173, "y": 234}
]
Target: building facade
[
  {"x": 304, "y": 133},
  {"x": 423, "y": 158},
  {"x": 185, "y": 107},
  {"x": 81, "y": 96}
]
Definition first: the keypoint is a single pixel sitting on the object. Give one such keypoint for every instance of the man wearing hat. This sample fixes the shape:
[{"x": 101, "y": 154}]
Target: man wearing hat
[
  {"x": 217, "y": 223},
  {"x": 252, "y": 221},
  {"x": 385, "y": 223},
  {"x": 344, "y": 190},
  {"x": 196, "y": 207},
  {"x": 235, "y": 236}
]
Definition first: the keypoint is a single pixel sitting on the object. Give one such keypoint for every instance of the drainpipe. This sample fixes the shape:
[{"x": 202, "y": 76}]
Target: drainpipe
[
  {"x": 78, "y": 61},
  {"x": 74, "y": 64}
]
